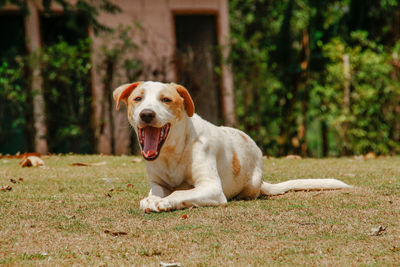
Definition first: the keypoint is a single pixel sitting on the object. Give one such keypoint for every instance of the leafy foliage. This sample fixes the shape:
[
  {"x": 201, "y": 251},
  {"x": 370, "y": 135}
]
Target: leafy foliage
[
  {"x": 16, "y": 131},
  {"x": 290, "y": 80},
  {"x": 67, "y": 93},
  {"x": 86, "y": 8}
]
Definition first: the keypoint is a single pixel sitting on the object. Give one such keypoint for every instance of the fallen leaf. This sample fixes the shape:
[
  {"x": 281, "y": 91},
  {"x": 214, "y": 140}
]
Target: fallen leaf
[
  {"x": 21, "y": 179},
  {"x": 129, "y": 185},
  {"x": 378, "y": 231},
  {"x": 115, "y": 233},
  {"x": 21, "y": 156},
  {"x": 13, "y": 181},
  {"x": 169, "y": 264},
  {"x": 268, "y": 157},
  {"x": 31, "y": 161},
  {"x": 184, "y": 216},
  {"x": 136, "y": 160},
  {"x": 6, "y": 188},
  {"x": 370, "y": 155},
  {"x": 293, "y": 157},
  {"x": 108, "y": 195},
  {"x": 88, "y": 164}
]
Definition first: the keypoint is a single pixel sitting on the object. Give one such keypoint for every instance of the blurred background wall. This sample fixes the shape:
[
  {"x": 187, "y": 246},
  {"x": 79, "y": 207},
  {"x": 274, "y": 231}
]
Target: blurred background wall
[
  {"x": 311, "y": 77},
  {"x": 77, "y": 58}
]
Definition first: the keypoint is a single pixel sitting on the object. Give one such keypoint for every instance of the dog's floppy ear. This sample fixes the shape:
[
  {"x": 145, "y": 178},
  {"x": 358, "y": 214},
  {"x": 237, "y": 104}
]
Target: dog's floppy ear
[
  {"x": 189, "y": 105},
  {"x": 123, "y": 92}
]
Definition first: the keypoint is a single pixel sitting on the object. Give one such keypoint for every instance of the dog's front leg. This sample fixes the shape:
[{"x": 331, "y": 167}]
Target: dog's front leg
[
  {"x": 206, "y": 193},
  {"x": 207, "y": 189}
]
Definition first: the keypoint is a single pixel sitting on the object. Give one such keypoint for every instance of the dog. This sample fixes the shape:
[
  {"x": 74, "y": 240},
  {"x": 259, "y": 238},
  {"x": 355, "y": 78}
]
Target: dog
[{"x": 191, "y": 162}]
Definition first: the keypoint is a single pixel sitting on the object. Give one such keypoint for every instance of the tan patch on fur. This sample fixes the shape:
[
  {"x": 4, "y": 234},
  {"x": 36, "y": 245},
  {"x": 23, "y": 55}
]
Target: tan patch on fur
[
  {"x": 176, "y": 105},
  {"x": 244, "y": 137},
  {"x": 168, "y": 150},
  {"x": 236, "y": 164}
]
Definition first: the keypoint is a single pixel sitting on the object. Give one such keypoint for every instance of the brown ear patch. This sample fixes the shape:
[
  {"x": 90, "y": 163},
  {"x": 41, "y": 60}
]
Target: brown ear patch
[
  {"x": 244, "y": 137},
  {"x": 123, "y": 92},
  {"x": 188, "y": 101},
  {"x": 236, "y": 164}
]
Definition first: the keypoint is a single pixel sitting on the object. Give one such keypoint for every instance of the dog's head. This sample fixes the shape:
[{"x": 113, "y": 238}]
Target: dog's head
[{"x": 153, "y": 109}]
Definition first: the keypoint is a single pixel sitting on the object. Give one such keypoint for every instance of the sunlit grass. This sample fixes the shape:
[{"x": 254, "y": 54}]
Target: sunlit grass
[{"x": 58, "y": 215}]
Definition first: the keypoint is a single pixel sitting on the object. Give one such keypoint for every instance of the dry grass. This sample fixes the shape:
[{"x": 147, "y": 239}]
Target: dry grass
[{"x": 59, "y": 215}]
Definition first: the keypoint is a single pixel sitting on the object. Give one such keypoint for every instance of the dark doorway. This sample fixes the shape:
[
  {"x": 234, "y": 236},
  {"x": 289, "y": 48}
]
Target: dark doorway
[
  {"x": 16, "y": 120},
  {"x": 197, "y": 59},
  {"x": 66, "y": 72}
]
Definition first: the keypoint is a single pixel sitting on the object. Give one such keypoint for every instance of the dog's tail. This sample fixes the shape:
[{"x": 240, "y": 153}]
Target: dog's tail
[{"x": 302, "y": 185}]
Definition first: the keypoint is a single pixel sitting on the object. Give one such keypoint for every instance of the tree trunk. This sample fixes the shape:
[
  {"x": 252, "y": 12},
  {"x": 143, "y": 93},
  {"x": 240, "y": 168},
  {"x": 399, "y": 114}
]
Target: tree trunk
[
  {"x": 325, "y": 140},
  {"x": 305, "y": 55},
  {"x": 346, "y": 102},
  {"x": 32, "y": 29}
]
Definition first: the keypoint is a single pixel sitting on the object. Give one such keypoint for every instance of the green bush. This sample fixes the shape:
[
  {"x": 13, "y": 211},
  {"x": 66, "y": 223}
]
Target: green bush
[
  {"x": 368, "y": 124},
  {"x": 16, "y": 117},
  {"x": 67, "y": 92}
]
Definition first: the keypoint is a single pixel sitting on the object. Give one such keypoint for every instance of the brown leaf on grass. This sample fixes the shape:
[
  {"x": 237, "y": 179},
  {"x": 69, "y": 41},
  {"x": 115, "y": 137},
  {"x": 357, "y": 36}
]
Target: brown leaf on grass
[
  {"x": 370, "y": 155},
  {"x": 378, "y": 231},
  {"x": 13, "y": 181},
  {"x": 20, "y": 156},
  {"x": 6, "y": 188},
  {"x": 31, "y": 161},
  {"x": 136, "y": 160},
  {"x": 129, "y": 185},
  {"x": 108, "y": 195},
  {"x": 115, "y": 233},
  {"x": 293, "y": 157},
  {"x": 88, "y": 164},
  {"x": 268, "y": 157},
  {"x": 20, "y": 179}
]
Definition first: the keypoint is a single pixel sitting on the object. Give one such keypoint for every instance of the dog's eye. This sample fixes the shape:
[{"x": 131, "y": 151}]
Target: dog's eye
[
  {"x": 137, "y": 99},
  {"x": 166, "y": 100}
]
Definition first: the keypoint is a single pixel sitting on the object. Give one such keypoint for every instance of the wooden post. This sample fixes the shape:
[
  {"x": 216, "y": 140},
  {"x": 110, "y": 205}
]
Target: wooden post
[
  {"x": 346, "y": 99},
  {"x": 228, "y": 94},
  {"x": 346, "y": 73},
  {"x": 32, "y": 32}
]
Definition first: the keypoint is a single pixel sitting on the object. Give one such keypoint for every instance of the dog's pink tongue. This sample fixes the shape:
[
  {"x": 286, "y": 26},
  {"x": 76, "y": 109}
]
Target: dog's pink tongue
[{"x": 151, "y": 137}]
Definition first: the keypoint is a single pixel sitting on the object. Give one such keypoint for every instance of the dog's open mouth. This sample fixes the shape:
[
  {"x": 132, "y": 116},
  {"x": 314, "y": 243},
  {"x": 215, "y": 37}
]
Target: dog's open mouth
[{"x": 151, "y": 140}]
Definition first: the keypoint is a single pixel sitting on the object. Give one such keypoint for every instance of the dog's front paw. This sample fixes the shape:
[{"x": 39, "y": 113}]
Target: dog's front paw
[
  {"x": 149, "y": 203},
  {"x": 164, "y": 205},
  {"x": 156, "y": 204}
]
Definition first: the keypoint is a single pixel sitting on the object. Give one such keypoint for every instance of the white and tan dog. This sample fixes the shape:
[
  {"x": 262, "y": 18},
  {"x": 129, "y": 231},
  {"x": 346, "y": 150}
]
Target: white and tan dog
[{"x": 191, "y": 162}]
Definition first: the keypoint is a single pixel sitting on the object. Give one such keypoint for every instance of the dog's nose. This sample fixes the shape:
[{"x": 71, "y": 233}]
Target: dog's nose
[{"x": 147, "y": 115}]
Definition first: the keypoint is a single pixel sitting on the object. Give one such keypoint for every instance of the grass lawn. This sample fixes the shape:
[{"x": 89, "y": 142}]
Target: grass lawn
[{"x": 64, "y": 215}]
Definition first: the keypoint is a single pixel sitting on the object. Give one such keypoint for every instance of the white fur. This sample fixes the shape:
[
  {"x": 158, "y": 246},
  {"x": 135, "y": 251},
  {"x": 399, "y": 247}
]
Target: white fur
[{"x": 198, "y": 169}]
